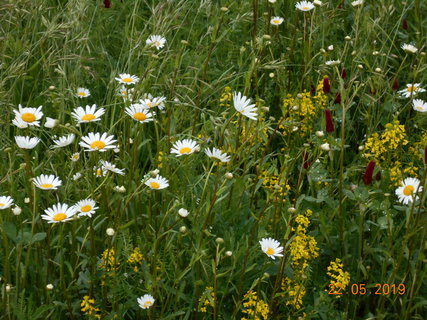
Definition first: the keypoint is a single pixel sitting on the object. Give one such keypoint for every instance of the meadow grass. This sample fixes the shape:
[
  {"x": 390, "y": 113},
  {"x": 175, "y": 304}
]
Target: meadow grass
[{"x": 320, "y": 163}]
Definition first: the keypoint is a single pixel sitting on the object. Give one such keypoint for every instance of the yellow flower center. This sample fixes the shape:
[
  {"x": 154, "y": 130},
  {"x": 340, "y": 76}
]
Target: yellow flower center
[
  {"x": 306, "y": 8},
  {"x": 276, "y": 21},
  {"x": 154, "y": 185},
  {"x": 412, "y": 89},
  {"x": 46, "y": 185},
  {"x": 82, "y": 94},
  {"x": 148, "y": 304},
  {"x": 407, "y": 191},
  {"x": 76, "y": 157},
  {"x": 270, "y": 251},
  {"x": 59, "y": 216},
  {"x": 419, "y": 108},
  {"x": 140, "y": 116},
  {"x": 88, "y": 117},
  {"x": 2, "y": 204},
  {"x": 150, "y": 105},
  {"x": 98, "y": 172},
  {"x": 97, "y": 145},
  {"x": 127, "y": 80},
  {"x": 28, "y": 117},
  {"x": 157, "y": 44},
  {"x": 185, "y": 150},
  {"x": 86, "y": 208}
]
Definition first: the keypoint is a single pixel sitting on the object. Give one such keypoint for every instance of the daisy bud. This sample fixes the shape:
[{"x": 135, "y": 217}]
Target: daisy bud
[
  {"x": 183, "y": 212},
  {"x": 110, "y": 232},
  {"x": 354, "y": 52},
  {"x": 319, "y": 134},
  {"x": 378, "y": 70},
  {"x": 183, "y": 229},
  {"x": 347, "y": 38},
  {"x": 228, "y": 253},
  {"x": 361, "y": 148},
  {"x": 329, "y": 122},
  {"x": 17, "y": 211},
  {"x": 395, "y": 85},
  {"x": 317, "y": 3},
  {"x": 116, "y": 150},
  {"x": 271, "y": 75},
  {"x": 272, "y": 1},
  {"x": 337, "y": 99},
  {"x": 266, "y": 37},
  {"x": 228, "y": 176},
  {"x": 325, "y": 147},
  {"x": 405, "y": 24},
  {"x": 8, "y": 149},
  {"x": 122, "y": 189},
  {"x": 219, "y": 240},
  {"x": 224, "y": 9},
  {"x": 360, "y": 66},
  {"x": 367, "y": 177},
  {"x": 326, "y": 85},
  {"x": 343, "y": 73},
  {"x": 49, "y": 286},
  {"x": 184, "y": 42},
  {"x": 27, "y": 200},
  {"x": 331, "y": 47},
  {"x": 107, "y": 4},
  {"x": 51, "y": 123},
  {"x": 386, "y": 194},
  {"x": 52, "y": 88},
  {"x": 8, "y": 288},
  {"x": 322, "y": 50},
  {"x": 130, "y": 141},
  {"x": 292, "y": 210}
]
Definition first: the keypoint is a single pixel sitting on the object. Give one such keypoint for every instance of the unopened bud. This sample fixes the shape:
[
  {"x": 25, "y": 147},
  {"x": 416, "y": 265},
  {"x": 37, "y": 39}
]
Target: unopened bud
[
  {"x": 229, "y": 175},
  {"x": 49, "y": 286},
  {"x": 183, "y": 229},
  {"x": 219, "y": 240},
  {"x": 110, "y": 232},
  {"x": 228, "y": 253}
]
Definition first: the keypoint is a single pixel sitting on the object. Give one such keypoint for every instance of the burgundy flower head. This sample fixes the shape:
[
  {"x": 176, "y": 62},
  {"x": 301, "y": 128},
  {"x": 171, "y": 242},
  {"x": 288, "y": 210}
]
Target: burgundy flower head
[
  {"x": 107, "y": 4},
  {"x": 367, "y": 177},
  {"x": 306, "y": 164},
  {"x": 326, "y": 85},
  {"x": 337, "y": 99},
  {"x": 329, "y": 122},
  {"x": 405, "y": 24},
  {"x": 395, "y": 85},
  {"x": 343, "y": 73}
]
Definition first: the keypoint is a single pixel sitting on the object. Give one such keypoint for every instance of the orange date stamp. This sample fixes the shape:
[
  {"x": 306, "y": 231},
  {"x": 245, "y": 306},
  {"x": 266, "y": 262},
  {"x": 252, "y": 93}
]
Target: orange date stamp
[{"x": 362, "y": 289}]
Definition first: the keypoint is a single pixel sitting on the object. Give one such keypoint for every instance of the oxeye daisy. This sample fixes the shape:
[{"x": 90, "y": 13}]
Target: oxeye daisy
[
  {"x": 409, "y": 48},
  {"x": 156, "y": 41},
  {"x": 332, "y": 62},
  {"x": 88, "y": 114},
  {"x": 108, "y": 166},
  {"x": 217, "y": 154},
  {"x": 126, "y": 78},
  {"x": 5, "y": 202},
  {"x": 59, "y": 212},
  {"x": 20, "y": 123},
  {"x": 82, "y": 93},
  {"x": 26, "y": 142},
  {"x": 276, "y": 21},
  {"x": 51, "y": 123},
  {"x": 30, "y": 116},
  {"x": 406, "y": 192},
  {"x": 75, "y": 157},
  {"x": 419, "y": 105},
  {"x": 126, "y": 93},
  {"x": 157, "y": 183},
  {"x": 85, "y": 208},
  {"x": 304, "y": 5},
  {"x": 411, "y": 89},
  {"x": 271, "y": 247},
  {"x": 183, "y": 147},
  {"x": 146, "y": 301},
  {"x": 150, "y": 102},
  {"x": 243, "y": 106},
  {"x": 139, "y": 113},
  {"x": 46, "y": 182},
  {"x": 64, "y": 141},
  {"x": 97, "y": 142},
  {"x": 357, "y": 3}
]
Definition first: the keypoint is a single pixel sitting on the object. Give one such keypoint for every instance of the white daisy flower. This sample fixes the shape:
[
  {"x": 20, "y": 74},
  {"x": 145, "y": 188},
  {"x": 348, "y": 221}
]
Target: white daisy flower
[
  {"x": 26, "y": 142},
  {"x": 47, "y": 182},
  {"x": 146, "y": 301},
  {"x": 406, "y": 192},
  {"x": 85, "y": 208},
  {"x": 276, "y": 21},
  {"x": 156, "y": 41},
  {"x": 83, "y": 93},
  {"x": 108, "y": 166},
  {"x": 59, "y": 213},
  {"x": 5, "y": 202},
  {"x": 357, "y": 3},
  {"x": 30, "y": 116},
  {"x": 409, "y": 48},
  {"x": 217, "y": 154},
  {"x": 139, "y": 113},
  {"x": 126, "y": 78},
  {"x": 157, "y": 183},
  {"x": 20, "y": 123},
  {"x": 304, "y": 5},
  {"x": 332, "y": 62},
  {"x": 126, "y": 93},
  {"x": 75, "y": 157},
  {"x": 184, "y": 147},
  {"x": 51, "y": 123},
  {"x": 64, "y": 141},
  {"x": 411, "y": 89},
  {"x": 151, "y": 102},
  {"x": 419, "y": 105},
  {"x": 89, "y": 114},
  {"x": 271, "y": 247},
  {"x": 77, "y": 176},
  {"x": 97, "y": 142},
  {"x": 243, "y": 106}
]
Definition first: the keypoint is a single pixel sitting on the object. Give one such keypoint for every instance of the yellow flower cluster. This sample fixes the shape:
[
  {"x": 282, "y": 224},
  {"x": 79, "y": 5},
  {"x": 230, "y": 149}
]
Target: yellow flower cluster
[
  {"x": 274, "y": 183},
  {"x": 108, "y": 260},
  {"x": 87, "y": 306},
  {"x": 226, "y": 97},
  {"x": 160, "y": 159},
  {"x": 135, "y": 258},
  {"x": 339, "y": 277},
  {"x": 255, "y": 308},
  {"x": 295, "y": 291},
  {"x": 393, "y": 136},
  {"x": 303, "y": 247},
  {"x": 303, "y": 109},
  {"x": 207, "y": 300},
  {"x": 396, "y": 173}
]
